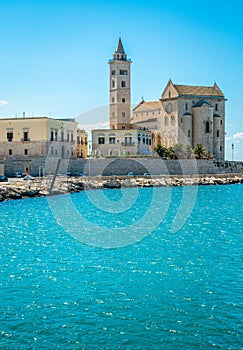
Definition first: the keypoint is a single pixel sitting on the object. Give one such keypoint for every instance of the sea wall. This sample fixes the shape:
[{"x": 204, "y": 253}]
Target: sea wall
[{"x": 121, "y": 166}]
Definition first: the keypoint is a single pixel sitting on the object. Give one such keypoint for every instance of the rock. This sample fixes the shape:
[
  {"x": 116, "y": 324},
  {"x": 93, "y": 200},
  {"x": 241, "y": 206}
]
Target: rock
[{"x": 112, "y": 184}]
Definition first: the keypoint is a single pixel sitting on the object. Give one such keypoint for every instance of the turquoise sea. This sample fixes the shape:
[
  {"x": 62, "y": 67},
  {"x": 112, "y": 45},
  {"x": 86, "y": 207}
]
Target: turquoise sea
[{"x": 162, "y": 270}]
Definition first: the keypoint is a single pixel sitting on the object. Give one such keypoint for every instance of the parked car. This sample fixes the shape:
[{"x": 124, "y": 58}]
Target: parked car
[
  {"x": 130, "y": 173},
  {"x": 19, "y": 174},
  {"x": 3, "y": 178},
  {"x": 29, "y": 177}
]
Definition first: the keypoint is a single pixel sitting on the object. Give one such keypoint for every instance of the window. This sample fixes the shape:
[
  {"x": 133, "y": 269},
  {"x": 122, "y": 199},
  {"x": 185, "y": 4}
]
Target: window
[
  {"x": 51, "y": 150},
  {"x": 56, "y": 135},
  {"x": 72, "y": 137},
  {"x": 52, "y": 136},
  {"x": 123, "y": 127},
  {"x": 188, "y": 133},
  {"x": 166, "y": 121},
  {"x": 128, "y": 141},
  {"x": 144, "y": 140},
  {"x": 123, "y": 114},
  {"x": 123, "y": 100},
  {"x": 26, "y": 136},
  {"x": 56, "y": 152},
  {"x": 10, "y": 152},
  {"x": 220, "y": 148},
  {"x": 139, "y": 139},
  {"x": 10, "y": 136},
  {"x": 181, "y": 120},
  {"x": 101, "y": 140},
  {"x": 207, "y": 127},
  {"x": 123, "y": 84},
  {"x": 68, "y": 137},
  {"x": 26, "y": 152},
  {"x": 113, "y": 114},
  {"x": 172, "y": 120},
  {"x": 221, "y": 121},
  {"x": 62, "y": 136},
  {"x": 112, "y": 140},
  {"x": 217, "y": 133},
  {"x": 113, "y": 72},
  {"x": 112, "y": 100},
  {"x": 216, "y": 107},
  {"x": 150, "y": 142},
  {"x": 123, "y": 72},
  {"x": 169, "y": 94},
  {"x": 78, "y": 140},
  {"x": 186, "y": 106},
  {"x": 113, "y": 83}
]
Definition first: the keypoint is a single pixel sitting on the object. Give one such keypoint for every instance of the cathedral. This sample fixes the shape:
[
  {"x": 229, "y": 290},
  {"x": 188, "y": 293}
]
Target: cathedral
[{"x": 184, "y": 114}]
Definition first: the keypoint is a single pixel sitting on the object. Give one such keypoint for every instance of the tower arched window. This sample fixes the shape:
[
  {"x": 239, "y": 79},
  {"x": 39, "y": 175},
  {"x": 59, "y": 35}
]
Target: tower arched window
[
  {"x": 113, "y": 83},
  {"x": 207, "y": 129},
  {"x": 217, "y": 133}
]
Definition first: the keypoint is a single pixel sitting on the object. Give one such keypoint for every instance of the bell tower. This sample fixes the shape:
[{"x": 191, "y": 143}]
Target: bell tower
[{"x": 120, "y": 89}]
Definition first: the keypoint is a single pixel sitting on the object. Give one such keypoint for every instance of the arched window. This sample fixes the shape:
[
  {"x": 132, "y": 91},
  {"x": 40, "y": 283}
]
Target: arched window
[
  {"x": 217, "y": 133},
  {"x": 123, "y": 84},
  {"x": 113, "y": 83},
  {"x": 207, "y": 127}
]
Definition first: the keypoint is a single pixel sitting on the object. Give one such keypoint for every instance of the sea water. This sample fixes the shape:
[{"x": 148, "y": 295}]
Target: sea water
[{"x": 174, "y": 285}]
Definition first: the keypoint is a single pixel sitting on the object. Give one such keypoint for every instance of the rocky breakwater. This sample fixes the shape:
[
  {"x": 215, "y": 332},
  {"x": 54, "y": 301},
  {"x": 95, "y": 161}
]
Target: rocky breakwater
[{"x": 45, "y": 187}]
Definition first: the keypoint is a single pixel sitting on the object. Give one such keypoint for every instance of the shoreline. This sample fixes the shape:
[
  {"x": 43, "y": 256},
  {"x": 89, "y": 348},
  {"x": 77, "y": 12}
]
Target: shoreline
[{"x": 41, "y": 187}]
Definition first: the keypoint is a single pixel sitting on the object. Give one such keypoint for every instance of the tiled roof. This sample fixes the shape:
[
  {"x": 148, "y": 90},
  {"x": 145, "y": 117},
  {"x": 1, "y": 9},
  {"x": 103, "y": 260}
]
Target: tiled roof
[
  {"x": 148, "y": 106},
  {"x": 199, "y": 90}
]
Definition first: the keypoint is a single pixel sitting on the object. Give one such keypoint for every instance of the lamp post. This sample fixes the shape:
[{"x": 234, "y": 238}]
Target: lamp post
[{"x": 233, "y": 153}]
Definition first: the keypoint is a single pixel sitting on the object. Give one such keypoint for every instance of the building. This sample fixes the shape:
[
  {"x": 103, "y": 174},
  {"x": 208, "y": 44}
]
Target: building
[
  {"x": 37, "y": 137},
  {"x": 121, "y": 142},
  {"x": 82, "y": 144},
  {"x": 194, "y": 115},
  {"x": 185, "y": 114},
  {"x": 121, "y": 138}
]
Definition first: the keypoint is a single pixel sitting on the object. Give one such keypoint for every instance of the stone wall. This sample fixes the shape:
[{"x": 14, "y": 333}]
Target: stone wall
[{"x": 121, "y": 166}]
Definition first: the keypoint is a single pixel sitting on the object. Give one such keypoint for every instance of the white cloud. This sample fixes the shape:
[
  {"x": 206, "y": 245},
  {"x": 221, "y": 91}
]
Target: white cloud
[
  {"x": 238, "y": 137},
  {"x": 2, "y": 102}
]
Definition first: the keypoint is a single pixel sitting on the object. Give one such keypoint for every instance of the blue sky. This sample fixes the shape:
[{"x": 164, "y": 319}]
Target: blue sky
[{"x": 54, "y": 55}]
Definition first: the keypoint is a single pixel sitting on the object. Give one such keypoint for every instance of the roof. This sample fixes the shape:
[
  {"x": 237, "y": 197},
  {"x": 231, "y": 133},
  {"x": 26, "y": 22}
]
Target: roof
[
  {"x": 199, "y": 90},
  {"x": 144, "y": 106},
  {"x": 120, "y": 48},
  {"x": 201, "y": 103}
]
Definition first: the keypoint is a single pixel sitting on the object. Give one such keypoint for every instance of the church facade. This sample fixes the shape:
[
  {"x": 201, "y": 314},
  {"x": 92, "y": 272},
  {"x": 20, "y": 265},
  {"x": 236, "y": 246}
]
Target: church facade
[{"x": 184, "y": 114}]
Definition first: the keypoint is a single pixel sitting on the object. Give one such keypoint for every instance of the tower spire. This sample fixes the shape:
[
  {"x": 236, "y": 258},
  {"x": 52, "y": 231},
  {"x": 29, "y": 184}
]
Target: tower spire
[{"x": 119, "y": 53}]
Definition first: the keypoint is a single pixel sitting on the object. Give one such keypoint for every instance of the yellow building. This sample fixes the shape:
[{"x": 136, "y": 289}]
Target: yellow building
[
  {"x": 82, "y": 144},
  {"x": 37, "y": 137}
]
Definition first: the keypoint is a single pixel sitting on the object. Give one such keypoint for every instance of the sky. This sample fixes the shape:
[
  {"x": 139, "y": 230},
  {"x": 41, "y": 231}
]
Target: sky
[{"x": 54, "y": 54}]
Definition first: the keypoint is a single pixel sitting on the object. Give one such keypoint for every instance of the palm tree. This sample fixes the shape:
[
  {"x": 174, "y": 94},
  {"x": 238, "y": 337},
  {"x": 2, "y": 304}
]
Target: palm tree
[
  {"x": 178, "y": 150},
  {"x": 189, "y": 152},
  {"x": 161, "y": 150},
  {"x": 201, "y": 152}
]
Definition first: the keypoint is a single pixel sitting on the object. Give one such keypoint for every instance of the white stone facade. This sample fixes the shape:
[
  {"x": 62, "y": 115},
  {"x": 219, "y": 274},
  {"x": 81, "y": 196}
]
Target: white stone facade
[{"x": 120, "y": 142}]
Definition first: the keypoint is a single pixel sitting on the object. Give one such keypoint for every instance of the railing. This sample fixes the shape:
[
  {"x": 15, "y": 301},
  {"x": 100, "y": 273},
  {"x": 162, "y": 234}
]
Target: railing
[{"x": 25, "y": 139}]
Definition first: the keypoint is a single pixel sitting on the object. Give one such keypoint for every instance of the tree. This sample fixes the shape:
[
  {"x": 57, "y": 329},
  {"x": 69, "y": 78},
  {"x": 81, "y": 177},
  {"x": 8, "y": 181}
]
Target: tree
[
  {"x": 201, "y": 152},
  {"x": 161, "y": 150}
]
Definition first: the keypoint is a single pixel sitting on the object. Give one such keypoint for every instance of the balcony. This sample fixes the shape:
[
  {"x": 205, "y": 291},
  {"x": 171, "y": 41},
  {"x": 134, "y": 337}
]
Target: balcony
[{"x": 25, "y": 139}]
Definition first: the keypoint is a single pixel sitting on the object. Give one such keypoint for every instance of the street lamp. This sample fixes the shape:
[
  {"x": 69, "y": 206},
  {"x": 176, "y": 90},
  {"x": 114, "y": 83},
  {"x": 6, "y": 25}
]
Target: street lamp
[{"x": 233, "y": 153}]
